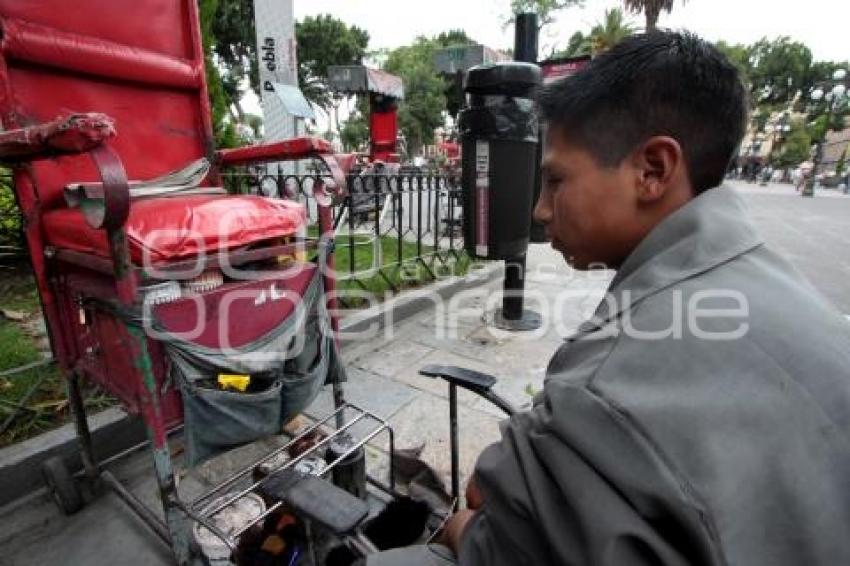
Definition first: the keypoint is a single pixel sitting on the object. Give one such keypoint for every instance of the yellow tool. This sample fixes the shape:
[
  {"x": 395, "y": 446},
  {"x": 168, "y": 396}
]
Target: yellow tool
[{"x": 232, "y": 381}]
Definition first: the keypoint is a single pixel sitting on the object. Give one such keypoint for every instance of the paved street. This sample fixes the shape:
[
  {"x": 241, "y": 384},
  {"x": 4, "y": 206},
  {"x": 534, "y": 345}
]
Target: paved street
[{"x": 813, "y": 233}]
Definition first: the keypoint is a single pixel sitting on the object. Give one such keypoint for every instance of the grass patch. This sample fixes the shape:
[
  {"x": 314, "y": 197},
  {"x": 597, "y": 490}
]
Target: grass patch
[
  {"x": 364, "y": 267},
  {"x": 381, "y": 270},
  {"x": 17, "y": 289},
  {"x": 46, "y": 408}
]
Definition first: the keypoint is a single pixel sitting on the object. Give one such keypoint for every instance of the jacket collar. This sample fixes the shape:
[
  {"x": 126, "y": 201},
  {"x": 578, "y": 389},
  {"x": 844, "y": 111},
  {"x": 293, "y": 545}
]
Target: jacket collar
[{"x": 711, "y": 229}]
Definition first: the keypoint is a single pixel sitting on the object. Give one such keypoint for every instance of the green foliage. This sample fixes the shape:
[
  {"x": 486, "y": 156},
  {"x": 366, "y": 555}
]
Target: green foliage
[
  {"x": 650, "y": 8},
  {"x": 796, "y": 147},
  {"x": 545, "y": 9},
  {"x": 323, "y": 41},
  {"x": 822, "y": 71},
  {"x": 223, "y": 130},
  {"x": 453, "y": 90},
  {"x": 817, "y": 128},
  {"x": 229, "y": 36},
  {"x": 578, "y": 45},
  {"x": 354, "y": 133},
  {"x": 10, "y": 218},
  {"x": 235, "y": 47},
  {"x": 603, "y": 36},
  {"x": 776, "y": 64},
  {"x": 421, "y": 111},
  {"x": 610, "y": 31},
  {"x": 453, "y": 37},
  {"x": 760, "y": 117},
  {"x": 842, "y": 161},
  {"x": 255, "y": 123},
  {"x": 739, "y": 55}
]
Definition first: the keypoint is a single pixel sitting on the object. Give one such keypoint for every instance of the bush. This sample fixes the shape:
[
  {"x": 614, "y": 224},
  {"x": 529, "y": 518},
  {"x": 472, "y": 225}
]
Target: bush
[
  {"x": 796, "y": 148},
  {"x": 10, "y": 217}
]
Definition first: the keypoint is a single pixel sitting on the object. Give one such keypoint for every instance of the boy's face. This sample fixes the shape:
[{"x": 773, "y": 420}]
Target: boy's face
[{"x": 590, "y": 212}]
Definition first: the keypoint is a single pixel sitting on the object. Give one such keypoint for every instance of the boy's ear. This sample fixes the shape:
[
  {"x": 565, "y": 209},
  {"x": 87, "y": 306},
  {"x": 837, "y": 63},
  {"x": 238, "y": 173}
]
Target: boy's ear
[{"x": 657, "y": 162}]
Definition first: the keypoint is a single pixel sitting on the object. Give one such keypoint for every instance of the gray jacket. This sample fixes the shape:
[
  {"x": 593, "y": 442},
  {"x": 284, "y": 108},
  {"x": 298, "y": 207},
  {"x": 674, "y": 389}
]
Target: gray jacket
[{"x": 729, "y": 444}]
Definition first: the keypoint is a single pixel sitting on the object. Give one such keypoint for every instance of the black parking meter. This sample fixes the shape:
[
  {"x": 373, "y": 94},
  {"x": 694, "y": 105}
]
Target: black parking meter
[{"x": 499, "y": 136}]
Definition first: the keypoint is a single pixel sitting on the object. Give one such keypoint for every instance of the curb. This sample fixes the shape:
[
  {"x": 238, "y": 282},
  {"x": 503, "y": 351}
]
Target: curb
[
  {"x": 412, "y": 302},
  {"x": 20, "y": 464},
  {"x": 113, "y": 431}
]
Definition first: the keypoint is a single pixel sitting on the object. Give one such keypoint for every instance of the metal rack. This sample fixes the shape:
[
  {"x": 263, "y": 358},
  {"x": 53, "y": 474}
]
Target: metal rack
[{"x": 207, "y": 506}]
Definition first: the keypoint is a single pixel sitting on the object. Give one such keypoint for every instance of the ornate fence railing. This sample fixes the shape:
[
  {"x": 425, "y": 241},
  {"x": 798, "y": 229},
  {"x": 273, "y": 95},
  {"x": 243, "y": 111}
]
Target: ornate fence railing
[{"x": 392, "y": 230}]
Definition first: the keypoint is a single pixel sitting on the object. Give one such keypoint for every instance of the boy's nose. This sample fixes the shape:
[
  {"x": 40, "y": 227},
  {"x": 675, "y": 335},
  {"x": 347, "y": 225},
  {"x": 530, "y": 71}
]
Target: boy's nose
[{"x": 542, "y": 211}]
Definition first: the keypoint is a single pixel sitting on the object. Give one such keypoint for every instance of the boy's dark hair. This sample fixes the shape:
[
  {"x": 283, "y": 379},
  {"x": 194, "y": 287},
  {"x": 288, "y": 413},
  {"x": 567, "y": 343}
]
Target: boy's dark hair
[{"x": 659, "y": 83}]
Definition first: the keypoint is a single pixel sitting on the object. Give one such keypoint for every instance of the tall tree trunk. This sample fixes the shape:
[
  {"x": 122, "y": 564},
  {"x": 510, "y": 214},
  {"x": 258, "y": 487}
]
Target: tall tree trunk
[{"x": 652, "y": 12}]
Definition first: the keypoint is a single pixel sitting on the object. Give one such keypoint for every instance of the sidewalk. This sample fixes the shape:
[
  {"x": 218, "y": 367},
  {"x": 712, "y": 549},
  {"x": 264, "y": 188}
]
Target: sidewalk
[{"x": 383, "y": 378}]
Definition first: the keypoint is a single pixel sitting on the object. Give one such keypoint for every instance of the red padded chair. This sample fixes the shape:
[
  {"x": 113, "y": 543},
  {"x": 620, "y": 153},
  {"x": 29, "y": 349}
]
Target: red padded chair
[{"x": 96, "y": 92}]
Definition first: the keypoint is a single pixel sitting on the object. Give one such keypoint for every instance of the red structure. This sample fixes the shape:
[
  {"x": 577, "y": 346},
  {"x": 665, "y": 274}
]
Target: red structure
[
  {"x": 91, "y": 96},
  {"x": 384, "y": 91}
]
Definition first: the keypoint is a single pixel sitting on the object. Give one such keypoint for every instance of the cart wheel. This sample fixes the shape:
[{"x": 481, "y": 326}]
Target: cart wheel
[{"x": 61, "y": 485}]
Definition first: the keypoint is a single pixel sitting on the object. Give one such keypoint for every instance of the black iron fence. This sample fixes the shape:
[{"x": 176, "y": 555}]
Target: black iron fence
[
  {"x": 386, "y": 223},
  {"x": 392, "y": 230}
]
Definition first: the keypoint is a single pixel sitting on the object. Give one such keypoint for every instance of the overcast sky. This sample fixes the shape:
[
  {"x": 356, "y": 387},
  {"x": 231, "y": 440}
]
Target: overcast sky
[{"x": 823, "y": 25}]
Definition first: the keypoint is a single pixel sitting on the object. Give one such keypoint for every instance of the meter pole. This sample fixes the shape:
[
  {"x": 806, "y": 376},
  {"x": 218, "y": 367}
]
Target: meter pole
[{"x": 512, "y": 315}]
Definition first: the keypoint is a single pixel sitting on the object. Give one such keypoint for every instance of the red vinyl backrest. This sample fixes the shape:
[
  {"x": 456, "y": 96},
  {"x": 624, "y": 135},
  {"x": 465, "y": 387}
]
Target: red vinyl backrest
[{"x": 140, "y": 62}]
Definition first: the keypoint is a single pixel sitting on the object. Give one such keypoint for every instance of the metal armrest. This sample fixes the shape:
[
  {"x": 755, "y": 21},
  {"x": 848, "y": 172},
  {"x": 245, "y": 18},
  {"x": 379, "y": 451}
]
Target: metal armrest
[
  {"x": 479, "y": 383},
  {"x": 105, "y": 206},
  {"x": 468, "y": 379},
  {"x": 71, "y": 134},
  {"x": 286, "y": 150},
  {"x": 292, "y": 150},
  {"x": 108, "y": 205}
]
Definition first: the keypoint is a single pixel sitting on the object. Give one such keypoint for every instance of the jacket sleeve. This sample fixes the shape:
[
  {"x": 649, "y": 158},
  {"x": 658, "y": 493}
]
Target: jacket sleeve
[{"x": 571, "y": 483}]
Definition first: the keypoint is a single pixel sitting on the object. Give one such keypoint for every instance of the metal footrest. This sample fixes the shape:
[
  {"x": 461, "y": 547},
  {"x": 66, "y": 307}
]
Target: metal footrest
[{"x": 205, "y": 508}]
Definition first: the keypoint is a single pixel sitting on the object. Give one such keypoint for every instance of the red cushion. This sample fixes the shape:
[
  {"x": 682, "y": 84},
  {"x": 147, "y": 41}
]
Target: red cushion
[{"x": 166, "y": 229}]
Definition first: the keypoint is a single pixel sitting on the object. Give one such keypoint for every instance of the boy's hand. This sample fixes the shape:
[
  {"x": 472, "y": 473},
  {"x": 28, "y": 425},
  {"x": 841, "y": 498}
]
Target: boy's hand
[
  {"x": 454, "y": 528},
  {"x": 474, "y": 499}
]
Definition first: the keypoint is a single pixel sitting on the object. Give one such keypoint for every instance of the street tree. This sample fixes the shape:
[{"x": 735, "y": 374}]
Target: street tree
[
  {"x": 795, "y": 148},
  {"x": 578, "y": 45},
  {"x": 453, "y": 90},
  {"x": 842, "y": 162},
  {"x": 610, "y": 31},
  {"x": 739, "y": 55},
  {"x": 323, "y": 41},
  {"x": 229, "y": 30},
  {"x": 820, "y": 71},
  {"x": 234, "y": 46},
  {"x": 452, "y": 38},
  {"x": 779, "y": 67},
  {"x": 354, "y": 132},
  {"x": 421, "y": 111},
  {"x": 223, "y": 129},
  {"x": 651, "y": 9},
  {"x": 545, "y": 9}
]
